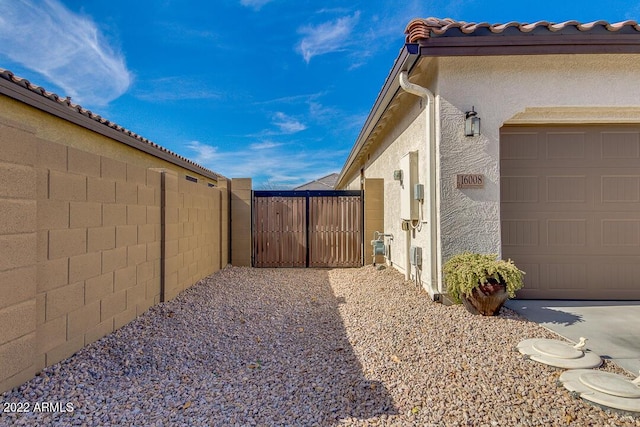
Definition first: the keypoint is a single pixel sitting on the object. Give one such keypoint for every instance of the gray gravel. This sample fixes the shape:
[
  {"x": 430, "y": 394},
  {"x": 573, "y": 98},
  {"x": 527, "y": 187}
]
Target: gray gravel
[{"x": 308, "y": 347}]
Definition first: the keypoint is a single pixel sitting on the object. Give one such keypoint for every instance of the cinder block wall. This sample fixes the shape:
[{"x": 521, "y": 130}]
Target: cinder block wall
[
  {"x": 193, "y": 233},
  {"x": 98, "y": 263},
  {"x": 18, "y": 252},
  {"x": 241, "y": 245},
  {"x": 81, "y": 241}
]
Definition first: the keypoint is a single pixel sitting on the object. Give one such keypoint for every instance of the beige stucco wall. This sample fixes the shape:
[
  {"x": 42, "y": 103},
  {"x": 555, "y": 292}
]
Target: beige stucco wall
[
  {"x": 503, "y": 90},
  {"x": 81, "y": 237},
  {"x": 405, "y": 132}
]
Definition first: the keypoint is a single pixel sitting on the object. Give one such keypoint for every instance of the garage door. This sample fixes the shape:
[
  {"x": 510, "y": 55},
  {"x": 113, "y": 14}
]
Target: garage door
[{"x": 570, "y": 210}]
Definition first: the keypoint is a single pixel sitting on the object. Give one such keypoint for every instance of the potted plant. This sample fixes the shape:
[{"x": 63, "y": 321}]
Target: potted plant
[{"x": 482, "y": 282}]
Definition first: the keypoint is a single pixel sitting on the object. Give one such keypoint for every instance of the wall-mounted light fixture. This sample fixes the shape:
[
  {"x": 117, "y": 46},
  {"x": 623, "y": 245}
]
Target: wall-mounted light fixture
[{"x": 471, "y": 123}]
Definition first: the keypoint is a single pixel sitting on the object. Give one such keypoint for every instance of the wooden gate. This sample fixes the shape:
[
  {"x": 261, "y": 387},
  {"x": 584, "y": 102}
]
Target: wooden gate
[{"x": 307, "y": 229}]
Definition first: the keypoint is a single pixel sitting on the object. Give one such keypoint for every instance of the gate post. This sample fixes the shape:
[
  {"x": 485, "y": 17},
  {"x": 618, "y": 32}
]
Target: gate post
[
  {"x": 373, "y": 215},
  {"x": 241, "y": 239}
]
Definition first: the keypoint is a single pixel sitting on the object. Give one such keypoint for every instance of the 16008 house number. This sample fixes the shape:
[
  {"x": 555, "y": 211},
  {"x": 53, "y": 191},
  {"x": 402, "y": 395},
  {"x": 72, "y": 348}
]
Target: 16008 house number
[{"x": 49, "y": 407}]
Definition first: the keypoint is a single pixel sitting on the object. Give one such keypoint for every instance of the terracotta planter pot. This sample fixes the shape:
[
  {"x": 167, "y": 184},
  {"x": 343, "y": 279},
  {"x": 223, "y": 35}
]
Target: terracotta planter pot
[{"x": 487, "y": 299}]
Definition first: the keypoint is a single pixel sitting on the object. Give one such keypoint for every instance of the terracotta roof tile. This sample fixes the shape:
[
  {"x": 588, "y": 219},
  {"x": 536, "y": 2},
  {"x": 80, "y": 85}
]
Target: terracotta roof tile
[
  {"x": 66, "y": 101},
  {"x": 419, "y": 29}
]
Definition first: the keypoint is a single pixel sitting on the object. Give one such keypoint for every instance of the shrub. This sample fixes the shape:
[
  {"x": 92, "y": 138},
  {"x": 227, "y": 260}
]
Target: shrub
[{"x": 466, "y": 271}]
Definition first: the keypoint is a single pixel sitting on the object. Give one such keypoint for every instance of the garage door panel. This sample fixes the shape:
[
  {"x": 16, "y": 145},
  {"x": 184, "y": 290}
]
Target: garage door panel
[
  {"x": 620, "y": 232},
  {"x": 567, "y": 232},
  {"x": 520, "y": 189},
  {"x": 620, "y": 188},
  {"x": 619, "y": 276},
  {"x": 620, "y": 145},
  {"x": 565, "y": 145},
  {"x": 566, "y": 275},
  {"x": 520, "y": 232},
  {"x": 532, "y": 277},
  {"x": 566, "y": 189},
  {"x": 614, "y": 274},
  {"x": 522, "y": 145},
  {"x": 570, "y": 210}
]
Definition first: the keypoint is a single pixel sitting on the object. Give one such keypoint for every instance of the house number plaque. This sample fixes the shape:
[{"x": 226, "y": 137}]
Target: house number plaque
[{"x": 470, "y": 181}]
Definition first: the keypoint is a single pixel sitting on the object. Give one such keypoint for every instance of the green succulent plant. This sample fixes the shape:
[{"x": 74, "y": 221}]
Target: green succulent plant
[{"x": 467, "y": 271}]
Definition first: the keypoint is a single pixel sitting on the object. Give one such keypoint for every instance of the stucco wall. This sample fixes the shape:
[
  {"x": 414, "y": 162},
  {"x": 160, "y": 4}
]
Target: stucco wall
[
  {"x": 406, "y": 132},
  {"x": 81, "y": 237},
  {"x": 500, "y": 88},
  {"x": 537, "y": 89}
]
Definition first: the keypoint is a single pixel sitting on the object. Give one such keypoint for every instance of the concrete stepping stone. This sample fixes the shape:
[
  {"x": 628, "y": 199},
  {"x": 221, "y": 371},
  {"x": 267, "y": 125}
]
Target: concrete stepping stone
[
  {"x": 604, "y": 388},
  {"x": 559, "y": 354}
]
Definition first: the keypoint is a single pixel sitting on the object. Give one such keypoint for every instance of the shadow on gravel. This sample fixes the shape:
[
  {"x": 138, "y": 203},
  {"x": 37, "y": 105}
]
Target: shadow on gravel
[
  {"x": 243, "y": 347},
  {"x": 299, "y": 368}
]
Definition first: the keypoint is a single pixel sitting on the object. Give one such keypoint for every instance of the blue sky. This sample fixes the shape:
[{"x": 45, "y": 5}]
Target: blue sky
[{"x": 275, "y": 90}]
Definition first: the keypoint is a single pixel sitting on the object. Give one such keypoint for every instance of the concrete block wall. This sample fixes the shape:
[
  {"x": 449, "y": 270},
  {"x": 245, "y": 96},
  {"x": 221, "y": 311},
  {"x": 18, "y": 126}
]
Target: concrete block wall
[
  {"x": 193, "y": 228},
  {"x": 241, "y": 244},
  {"x": 98, "y": 263},
  {"x": 18, "y": 252},
  {"x": 81, "y": 244}
]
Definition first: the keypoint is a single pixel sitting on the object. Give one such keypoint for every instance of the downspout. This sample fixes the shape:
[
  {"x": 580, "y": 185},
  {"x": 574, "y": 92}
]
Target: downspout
[{"x": 430, "y": 197}]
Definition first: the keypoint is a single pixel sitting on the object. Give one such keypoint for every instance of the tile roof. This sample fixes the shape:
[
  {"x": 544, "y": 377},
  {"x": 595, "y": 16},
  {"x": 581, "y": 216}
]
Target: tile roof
[
  {"x": 419, "y": 29},
  {"x": 325, "y": 183},
  {"x": 77, "y": 109}
]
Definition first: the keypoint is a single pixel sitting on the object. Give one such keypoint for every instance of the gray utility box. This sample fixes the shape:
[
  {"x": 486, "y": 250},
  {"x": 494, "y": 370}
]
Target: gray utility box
[
  {"x": 415, "y": 255},
  {"x": 408, "y": 203}
]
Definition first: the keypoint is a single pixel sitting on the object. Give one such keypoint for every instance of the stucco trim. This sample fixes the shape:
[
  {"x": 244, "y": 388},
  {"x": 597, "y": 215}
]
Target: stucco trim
[{"x": 575, "y": 115}]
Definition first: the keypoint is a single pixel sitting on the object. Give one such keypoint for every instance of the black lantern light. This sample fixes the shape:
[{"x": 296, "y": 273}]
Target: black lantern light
[{"x": 471, "y": 123}]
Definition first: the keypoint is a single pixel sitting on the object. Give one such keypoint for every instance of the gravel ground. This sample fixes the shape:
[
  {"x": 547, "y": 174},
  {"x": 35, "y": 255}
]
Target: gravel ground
[{"x": 308, "y": 347}]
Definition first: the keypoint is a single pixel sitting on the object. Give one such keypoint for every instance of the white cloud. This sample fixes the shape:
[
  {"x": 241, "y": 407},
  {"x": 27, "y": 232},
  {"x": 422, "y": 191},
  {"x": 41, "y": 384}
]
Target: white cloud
[
  {"x": 203, "y": 153},
  {"x": 64, "y": 47},
  {"x": 266, "y": 145},
  {"x": 283, "y": 167},
  {"x": 332, "y": 36},
  {"x": 287, "y": 124},
  {"x": 176, "y": 88},
  {"x": 255, "y": 4},
  {"x": 293, "y": 99}
]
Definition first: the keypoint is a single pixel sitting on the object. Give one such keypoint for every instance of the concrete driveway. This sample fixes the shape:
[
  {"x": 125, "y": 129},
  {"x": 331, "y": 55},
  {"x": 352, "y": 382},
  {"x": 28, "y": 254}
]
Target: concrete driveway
[{"x": 611, "y": 327}]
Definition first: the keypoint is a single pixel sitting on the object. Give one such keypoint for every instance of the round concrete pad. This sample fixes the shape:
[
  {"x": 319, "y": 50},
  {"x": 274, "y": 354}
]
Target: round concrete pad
[
  {"x": 612, "y": 384},
  {"x": 555, "y": 348},
  {"x": 576, "y": 380},
  {"x": 558, "y": 353}
]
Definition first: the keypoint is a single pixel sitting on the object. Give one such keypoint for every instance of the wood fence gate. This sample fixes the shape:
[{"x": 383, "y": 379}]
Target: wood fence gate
[{"x": 307, "y": 229}]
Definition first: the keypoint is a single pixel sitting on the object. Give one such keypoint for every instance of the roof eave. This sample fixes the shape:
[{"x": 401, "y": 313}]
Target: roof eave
[
  {"x": 490, "y": 45},
  {"x": 493, "y": 45},
  {"x": 405, "y": 61}
]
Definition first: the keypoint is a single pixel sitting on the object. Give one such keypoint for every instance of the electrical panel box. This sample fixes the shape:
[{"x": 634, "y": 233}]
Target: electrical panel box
[
  {"x": 415, "y": 255},
  {"x": 408, "y": 204}
]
